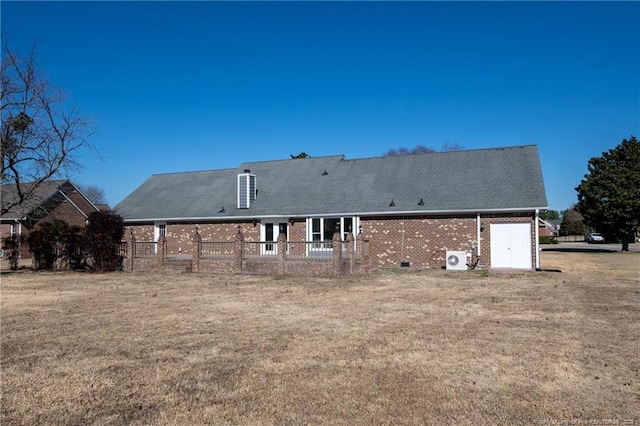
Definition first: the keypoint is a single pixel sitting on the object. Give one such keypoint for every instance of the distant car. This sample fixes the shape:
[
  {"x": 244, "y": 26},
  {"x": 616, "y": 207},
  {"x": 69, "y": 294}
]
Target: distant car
[{"x": 594, "y": 238}]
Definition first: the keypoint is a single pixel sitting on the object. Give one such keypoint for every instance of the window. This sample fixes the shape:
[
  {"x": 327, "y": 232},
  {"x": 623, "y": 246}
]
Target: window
[
  {"x": 316, "y": 232},
  {"x": 321, "y": 230},
  {"x": 269, "y": 236},
  {"x": 330, "y": 226},
  {"x": 160, "y": 229}
]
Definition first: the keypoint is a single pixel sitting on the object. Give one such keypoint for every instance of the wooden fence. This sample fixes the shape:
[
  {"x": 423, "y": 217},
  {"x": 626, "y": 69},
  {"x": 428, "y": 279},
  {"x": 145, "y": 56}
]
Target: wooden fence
[{"x": 570, "y": 238}]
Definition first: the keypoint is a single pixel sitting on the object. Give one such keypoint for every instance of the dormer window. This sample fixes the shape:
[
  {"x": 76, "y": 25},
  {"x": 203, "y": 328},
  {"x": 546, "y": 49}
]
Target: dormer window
[{"x": 246, "y": 189}]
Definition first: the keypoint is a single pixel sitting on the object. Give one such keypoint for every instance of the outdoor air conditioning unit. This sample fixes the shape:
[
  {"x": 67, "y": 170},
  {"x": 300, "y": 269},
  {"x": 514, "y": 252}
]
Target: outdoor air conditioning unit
[{"x": 457, "y": 260}]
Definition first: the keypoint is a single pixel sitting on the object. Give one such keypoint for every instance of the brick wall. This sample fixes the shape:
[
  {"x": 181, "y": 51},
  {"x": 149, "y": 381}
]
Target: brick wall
[
  {"x": 180, "y": 236},
  {"x": 420, "y": 241},
  {"x": 140, "y": 232},
  {"x": 545, "y": 231},
  {"x": 298, "y": 231},
  {"x": 424, "y": 241},
  {"x": 5, "y": 230},
  {"x": 67, "y": 212}
]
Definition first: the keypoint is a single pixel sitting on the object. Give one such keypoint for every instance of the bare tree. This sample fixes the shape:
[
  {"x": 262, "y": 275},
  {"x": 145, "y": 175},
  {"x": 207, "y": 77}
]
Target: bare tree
[
  {"x": 41, "y": 133},
  {"x": 93, "y": 193},
  {"x": 421, "y": 149},
  {"x": 418, "y": 149},
  {"x": 449, "y": 146}
]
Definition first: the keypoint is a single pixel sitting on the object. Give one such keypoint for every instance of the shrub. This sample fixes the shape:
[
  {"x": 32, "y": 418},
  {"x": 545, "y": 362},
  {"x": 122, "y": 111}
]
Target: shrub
[
  {"x": 11, "y": 246},
  {"x": 72, "y": 247},
  {"x": 47, "y": 243},
  {"x": 103, "y": 236},
  {"x": 41, "y": 244},
  {"x": 547, "y": 239}
]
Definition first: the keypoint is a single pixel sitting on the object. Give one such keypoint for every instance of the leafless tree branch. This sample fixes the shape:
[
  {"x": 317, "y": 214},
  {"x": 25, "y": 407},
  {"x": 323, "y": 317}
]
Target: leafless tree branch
[{"x": 41, "y": 133}]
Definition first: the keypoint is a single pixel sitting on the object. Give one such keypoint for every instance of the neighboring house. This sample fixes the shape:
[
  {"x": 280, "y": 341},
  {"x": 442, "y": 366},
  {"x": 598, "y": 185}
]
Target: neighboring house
[
  {"x": 412, "y": 209},
  {"x": 549, "y": 227},
  {"x": 56, "y": 199}
]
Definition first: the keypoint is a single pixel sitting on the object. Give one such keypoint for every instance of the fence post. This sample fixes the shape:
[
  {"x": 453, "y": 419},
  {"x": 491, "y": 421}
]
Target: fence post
[
  {"x": 282, "y": 249},
  {"x": 197, "y": 247},
  {"x": 238, "y": 250},
  {"x": 131, "y": 250},
  {"x": 351, "y": 253},
  {"x": 162, "y": 248},
  {"x": 337, "y": 253}
]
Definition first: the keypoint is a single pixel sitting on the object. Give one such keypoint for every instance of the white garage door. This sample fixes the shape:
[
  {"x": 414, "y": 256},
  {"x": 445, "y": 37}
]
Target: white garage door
[{"x": 511, "y": 245}]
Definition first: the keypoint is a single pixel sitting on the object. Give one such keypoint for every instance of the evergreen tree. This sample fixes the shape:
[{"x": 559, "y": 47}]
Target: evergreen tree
[{"x": 609, "y": 195}]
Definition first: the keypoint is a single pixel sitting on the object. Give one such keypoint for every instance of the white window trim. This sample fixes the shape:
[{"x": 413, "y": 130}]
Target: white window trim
[
  {"x": 156, "y": 232},
  {"x": 156, "y": 229},
  {"x": 355, "y": 223},
  {"x": 276, "y": 232}
]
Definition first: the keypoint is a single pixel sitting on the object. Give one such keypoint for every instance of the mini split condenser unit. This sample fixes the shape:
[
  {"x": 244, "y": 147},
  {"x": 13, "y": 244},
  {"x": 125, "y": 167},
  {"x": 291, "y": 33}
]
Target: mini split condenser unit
[{"x": 457, "y": 260}]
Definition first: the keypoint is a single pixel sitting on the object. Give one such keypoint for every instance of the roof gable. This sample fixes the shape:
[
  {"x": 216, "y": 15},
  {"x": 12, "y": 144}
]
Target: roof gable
[
  {"x": 40, "y": 194},
  {"x": 45, "y": 192}
]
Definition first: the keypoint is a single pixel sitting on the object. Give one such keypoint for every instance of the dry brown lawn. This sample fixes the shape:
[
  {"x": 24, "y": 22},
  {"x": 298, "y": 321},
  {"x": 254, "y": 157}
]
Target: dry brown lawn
[{"x": 430, "y": 347}]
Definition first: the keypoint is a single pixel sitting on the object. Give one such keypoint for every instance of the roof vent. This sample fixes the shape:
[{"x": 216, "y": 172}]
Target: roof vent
[{"x": 246, "y": 189}]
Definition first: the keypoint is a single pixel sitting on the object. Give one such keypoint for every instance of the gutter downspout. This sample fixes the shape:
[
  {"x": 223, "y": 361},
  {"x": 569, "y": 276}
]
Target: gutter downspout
[
  {"x": 537, "y": 240},
  {"x": 478, "y": 230}
]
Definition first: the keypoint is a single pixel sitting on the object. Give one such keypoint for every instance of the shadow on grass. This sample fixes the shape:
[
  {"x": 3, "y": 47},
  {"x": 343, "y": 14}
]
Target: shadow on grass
[
  {"x": 580, "y": 250},
  {"x": 14, "y": 271}
]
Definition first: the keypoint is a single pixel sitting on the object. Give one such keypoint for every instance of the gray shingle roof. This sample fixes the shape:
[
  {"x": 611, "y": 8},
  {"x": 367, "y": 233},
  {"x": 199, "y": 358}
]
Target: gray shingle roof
[
  {"x": 44, "y": 191},
  {"x": 508, "y": 179}
]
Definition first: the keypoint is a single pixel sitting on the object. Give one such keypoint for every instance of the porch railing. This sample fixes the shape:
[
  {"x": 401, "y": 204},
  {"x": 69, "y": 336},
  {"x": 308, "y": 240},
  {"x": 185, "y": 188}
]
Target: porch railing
[
  {"x": 334, "y": 257},
  {"x": 145, "y": 249},
  {"x": 259, "y": 249},
  {"x": 217, "y": 249},
  {"x": 309, "y": 249}
]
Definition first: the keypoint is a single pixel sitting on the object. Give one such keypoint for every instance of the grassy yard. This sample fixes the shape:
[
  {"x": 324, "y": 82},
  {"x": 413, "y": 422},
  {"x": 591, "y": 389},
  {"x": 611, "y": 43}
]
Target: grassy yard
[{"x": 431, "y": 347}]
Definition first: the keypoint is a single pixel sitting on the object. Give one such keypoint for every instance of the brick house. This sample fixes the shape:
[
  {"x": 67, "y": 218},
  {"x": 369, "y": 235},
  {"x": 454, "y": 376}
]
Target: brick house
[
  {"x": 55, "y": 199},
  {"x": 549, "y": 227},
  {"x": 413, "y": 210}
]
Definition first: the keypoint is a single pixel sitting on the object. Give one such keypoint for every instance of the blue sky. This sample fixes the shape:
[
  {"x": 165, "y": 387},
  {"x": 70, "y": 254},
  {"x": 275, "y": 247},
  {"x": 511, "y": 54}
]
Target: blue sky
[{"x": 184, "y": 86}]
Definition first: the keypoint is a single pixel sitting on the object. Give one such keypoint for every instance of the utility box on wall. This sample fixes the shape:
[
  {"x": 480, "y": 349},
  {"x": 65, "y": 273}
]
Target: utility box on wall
[{"x": 456, "y": 260}]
